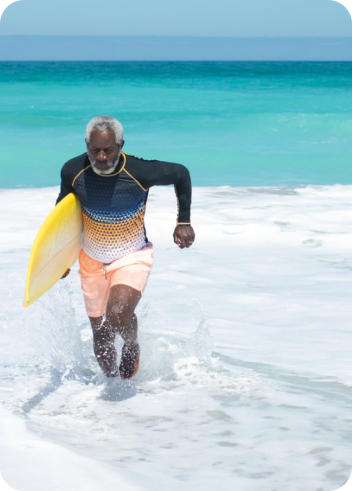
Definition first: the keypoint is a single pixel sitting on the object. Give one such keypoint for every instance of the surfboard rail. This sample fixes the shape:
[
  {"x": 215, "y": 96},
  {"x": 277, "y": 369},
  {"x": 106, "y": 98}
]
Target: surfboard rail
[{"x": 55, "y": 248}]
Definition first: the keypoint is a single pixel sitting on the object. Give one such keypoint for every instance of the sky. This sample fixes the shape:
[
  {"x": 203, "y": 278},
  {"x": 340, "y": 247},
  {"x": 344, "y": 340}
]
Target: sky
[{"x": 235, "y": 18}]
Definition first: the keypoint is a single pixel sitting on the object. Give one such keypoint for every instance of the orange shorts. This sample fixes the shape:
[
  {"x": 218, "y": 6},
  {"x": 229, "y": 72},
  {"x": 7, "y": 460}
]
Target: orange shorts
[{"x": 97, "y": 278}]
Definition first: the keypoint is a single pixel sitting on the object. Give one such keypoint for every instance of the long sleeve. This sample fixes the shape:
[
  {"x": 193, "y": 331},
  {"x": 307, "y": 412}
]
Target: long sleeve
[
  {"x": 65, "y": 188},
  {"x": 68, "y": 172},
  {"x": 156, "y": 173}
]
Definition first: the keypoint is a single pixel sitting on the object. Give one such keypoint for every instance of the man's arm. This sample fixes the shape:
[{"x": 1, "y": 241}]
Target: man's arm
[
  {"x": 156, "y": 173},
  {"x": 65, "y": 189},
  {"x": 68, "y": 173},
  {"x": 66, "y": 186}
]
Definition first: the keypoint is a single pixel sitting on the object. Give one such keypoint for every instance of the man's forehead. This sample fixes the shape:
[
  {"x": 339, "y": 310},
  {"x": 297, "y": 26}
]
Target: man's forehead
[{"x": 105, "y": 136}]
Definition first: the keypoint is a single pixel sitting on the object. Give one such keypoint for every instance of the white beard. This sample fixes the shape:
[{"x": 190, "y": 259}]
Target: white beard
[{"x": 111, "y": 170}]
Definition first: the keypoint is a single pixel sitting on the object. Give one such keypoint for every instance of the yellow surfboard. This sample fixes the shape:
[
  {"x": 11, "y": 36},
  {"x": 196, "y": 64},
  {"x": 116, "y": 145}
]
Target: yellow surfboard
[{"x": 55, "y": 248}]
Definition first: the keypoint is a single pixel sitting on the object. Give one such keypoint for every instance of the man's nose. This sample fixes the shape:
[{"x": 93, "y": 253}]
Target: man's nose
[{"x": 101, "y": 155}]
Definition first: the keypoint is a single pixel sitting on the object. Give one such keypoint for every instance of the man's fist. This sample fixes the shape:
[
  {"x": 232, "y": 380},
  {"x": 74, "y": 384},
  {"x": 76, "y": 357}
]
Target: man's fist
[{"x": 184, "y": 236}]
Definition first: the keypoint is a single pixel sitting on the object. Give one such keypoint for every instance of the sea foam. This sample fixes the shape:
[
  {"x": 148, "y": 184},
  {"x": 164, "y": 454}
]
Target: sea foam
[{"x": 245, "y": 376}]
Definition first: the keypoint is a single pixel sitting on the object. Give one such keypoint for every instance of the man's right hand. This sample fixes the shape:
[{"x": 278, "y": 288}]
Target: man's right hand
[{"x": 66, "y": 273}]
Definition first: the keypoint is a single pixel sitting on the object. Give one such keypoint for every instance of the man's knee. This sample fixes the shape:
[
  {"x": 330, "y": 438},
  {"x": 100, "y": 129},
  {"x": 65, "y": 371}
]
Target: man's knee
[
  {"x": 119, "y": 316},
  {"x": 122, "y": 302}
]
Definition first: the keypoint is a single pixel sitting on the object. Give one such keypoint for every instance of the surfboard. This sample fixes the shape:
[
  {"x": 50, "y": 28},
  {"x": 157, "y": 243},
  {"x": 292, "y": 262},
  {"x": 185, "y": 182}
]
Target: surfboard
[{"x": 55, "y": 249}]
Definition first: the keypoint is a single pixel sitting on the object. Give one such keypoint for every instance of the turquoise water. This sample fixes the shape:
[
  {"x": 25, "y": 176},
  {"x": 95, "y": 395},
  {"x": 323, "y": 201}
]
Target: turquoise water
[{"x": 231, "y": 123}]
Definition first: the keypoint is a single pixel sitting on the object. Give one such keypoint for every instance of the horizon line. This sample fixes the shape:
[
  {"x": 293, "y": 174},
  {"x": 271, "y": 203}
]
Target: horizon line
[
  {"x": 174, "y": 61},
  {"x": 172, "y": 36}
]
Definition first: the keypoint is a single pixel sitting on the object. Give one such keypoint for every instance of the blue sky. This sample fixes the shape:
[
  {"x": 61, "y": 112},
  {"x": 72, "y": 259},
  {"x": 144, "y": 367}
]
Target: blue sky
[{"x": 244, "y": 18}]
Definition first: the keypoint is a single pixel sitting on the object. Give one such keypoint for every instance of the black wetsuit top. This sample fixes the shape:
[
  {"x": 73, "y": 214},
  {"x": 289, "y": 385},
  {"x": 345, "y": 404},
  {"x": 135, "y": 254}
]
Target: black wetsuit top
[{"x": 113, "y": 205}]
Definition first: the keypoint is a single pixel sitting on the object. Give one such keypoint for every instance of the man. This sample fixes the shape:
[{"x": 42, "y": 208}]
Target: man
[{"x": 116, "y": 257}]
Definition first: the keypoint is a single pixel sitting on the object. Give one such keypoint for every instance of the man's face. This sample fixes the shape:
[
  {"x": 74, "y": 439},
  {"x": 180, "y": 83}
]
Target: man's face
[{"x": 103, "y": 151}]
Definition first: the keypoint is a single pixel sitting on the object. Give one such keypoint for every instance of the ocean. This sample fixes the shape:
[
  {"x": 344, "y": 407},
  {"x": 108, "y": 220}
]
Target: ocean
[
  {"x": 231, "y": 123},
  {"x": 245, "y": 380}
]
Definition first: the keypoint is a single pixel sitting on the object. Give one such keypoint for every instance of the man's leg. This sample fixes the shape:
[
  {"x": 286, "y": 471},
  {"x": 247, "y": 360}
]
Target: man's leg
[
  {"x": 104, "y": 347},
  {"x": 119, "y": 319}
]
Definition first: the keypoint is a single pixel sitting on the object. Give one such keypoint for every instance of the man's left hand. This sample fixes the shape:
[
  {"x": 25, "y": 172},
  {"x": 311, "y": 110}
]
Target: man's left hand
[{"x": 184, "y": 236}]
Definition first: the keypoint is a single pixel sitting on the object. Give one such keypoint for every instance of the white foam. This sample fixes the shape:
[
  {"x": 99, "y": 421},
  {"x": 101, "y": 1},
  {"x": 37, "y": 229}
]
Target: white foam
[
  {"x": 30, "y": 462},
  {"x": 245, "y": 374}
]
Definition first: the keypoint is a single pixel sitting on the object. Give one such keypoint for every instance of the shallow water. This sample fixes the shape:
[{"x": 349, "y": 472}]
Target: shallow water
[{"x": 245, "y": 377}]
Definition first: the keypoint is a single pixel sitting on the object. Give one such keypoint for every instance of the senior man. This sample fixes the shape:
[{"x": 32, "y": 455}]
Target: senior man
[{"x": 116, "y": 257}]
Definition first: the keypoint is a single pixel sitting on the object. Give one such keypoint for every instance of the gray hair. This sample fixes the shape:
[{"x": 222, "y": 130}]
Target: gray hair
[{"x": 103, "y": 123}]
